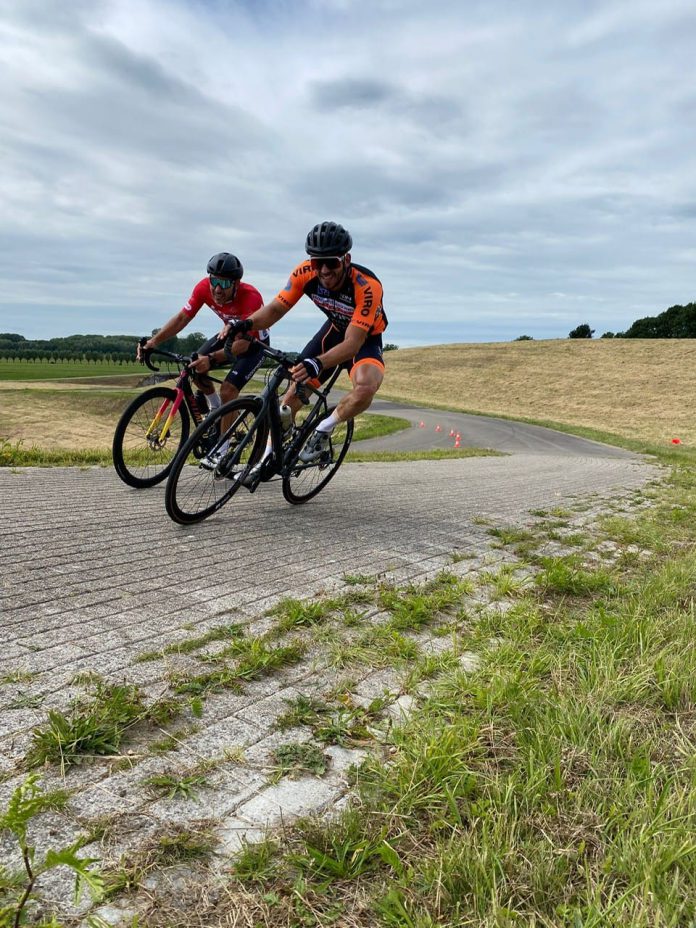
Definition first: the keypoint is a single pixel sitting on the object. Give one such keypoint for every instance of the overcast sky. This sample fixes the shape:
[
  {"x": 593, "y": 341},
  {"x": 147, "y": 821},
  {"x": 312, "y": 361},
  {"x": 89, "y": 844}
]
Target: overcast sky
[{"x": 505, "y": 168}]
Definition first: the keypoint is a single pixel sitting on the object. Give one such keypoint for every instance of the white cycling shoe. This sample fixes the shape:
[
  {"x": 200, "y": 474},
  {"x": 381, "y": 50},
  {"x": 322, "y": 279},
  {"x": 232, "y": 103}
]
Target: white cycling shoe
[{"x": 317, "y": 446}]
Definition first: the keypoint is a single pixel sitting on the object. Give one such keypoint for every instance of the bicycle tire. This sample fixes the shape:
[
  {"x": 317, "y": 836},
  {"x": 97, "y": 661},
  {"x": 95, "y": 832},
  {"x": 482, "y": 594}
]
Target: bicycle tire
[
  {"x": 139, "y": 460},
  {"x": 304, "y": 481},
  {"x": 194, "y": 492}
]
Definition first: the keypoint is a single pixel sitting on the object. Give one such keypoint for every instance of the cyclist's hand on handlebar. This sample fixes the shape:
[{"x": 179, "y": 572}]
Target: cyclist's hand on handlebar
[
  {"x": 306, "y": 369},
  {"x": 144, "y": 348},
  {"x": 201, "y": 365},
  {"x": 238, "y": 327}
]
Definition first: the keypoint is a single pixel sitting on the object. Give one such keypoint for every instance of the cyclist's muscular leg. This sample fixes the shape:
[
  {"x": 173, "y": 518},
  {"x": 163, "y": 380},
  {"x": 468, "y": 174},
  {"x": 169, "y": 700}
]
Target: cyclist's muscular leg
[
  {"x": 367, "y": 379},
  {"x": 228, "y": 391}
]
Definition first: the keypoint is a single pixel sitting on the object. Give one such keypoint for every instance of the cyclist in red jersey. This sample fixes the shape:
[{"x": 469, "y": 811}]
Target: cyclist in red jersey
[
  {"x": 232, "y": 301},
  {"x": 350, "y": 296}
]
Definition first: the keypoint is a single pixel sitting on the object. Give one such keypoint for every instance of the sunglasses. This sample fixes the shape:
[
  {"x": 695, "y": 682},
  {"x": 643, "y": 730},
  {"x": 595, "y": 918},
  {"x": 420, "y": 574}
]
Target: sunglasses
[
  {"x": 332, "y": 264},
  {"x": 222, "y": 282}
]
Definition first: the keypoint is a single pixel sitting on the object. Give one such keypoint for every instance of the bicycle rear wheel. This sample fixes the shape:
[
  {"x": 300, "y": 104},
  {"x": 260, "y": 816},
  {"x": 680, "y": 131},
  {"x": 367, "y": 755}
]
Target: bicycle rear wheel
[
  {"x": 194, "y": 490},
  {"x": 141, "y": 456},
  {"x": 304, "y": 481}
]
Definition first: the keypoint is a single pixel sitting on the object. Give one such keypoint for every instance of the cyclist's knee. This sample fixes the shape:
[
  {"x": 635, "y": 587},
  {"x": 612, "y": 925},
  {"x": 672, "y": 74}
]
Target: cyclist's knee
[{"x": 364, "y": 392}]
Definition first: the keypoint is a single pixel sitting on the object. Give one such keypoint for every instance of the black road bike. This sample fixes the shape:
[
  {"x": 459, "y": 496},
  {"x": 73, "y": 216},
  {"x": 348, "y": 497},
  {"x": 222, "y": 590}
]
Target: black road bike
[
  {"x": 157, "y": 423},
  {"x": 195, "y": 491}
]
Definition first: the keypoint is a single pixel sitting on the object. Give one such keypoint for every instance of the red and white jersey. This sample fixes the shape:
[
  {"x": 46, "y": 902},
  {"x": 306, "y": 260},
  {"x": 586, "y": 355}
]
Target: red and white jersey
[{"x": 247, "y": 301}]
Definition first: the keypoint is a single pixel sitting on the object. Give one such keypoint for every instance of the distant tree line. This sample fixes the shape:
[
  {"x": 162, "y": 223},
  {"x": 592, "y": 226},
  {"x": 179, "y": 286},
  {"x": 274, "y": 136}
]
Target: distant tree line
[
  {"x": 675, "y": 322},
  {"x": 115, "y": 349}
]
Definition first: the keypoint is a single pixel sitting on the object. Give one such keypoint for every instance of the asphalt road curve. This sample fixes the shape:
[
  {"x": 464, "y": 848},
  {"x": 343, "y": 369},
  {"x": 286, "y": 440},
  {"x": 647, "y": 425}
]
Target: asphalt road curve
[{"x": 477, "y": 432}]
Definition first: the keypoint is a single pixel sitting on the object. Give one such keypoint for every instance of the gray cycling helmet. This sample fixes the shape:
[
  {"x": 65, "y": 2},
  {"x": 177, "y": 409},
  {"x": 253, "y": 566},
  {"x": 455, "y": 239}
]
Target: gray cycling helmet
[
  {"x": 226, "y": 265},
  {"x": 327, "y": 240}
]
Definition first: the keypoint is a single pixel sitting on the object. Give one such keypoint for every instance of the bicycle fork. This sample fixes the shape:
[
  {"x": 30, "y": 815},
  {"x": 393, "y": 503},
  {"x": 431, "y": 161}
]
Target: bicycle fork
[{"x": 170, "y": 418}]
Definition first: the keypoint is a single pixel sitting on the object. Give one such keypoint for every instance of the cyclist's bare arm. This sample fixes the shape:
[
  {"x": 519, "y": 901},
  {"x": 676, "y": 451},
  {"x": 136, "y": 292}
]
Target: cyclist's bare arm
[{"x": 172, "y": 327}]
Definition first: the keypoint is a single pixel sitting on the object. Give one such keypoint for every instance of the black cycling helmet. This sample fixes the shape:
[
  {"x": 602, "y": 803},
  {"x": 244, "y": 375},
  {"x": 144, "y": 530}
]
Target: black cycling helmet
[
  {"x": 328, "y": 240},
  {"x": 226, "y": 265}
]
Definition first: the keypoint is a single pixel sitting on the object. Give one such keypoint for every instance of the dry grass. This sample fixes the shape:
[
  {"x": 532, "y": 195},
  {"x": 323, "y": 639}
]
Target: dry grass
[
  {"x": 643, "y": 389},
  {"x": 63, "y": 420}
]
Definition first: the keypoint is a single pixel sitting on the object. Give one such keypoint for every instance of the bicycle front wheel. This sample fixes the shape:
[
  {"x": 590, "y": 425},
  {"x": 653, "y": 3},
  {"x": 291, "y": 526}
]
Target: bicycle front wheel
[
  {"x": 142, "y": 454},
  {"x": 198, "y": 488},
  {"x": 303, "y": 481}
]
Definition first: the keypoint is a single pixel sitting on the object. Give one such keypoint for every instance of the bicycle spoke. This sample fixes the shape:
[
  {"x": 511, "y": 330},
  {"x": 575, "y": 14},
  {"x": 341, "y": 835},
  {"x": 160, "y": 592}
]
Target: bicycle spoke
[
  {"x": 197, "y": 488},
  {"x": 305, "y": 480},
  {"x": 142, "y": 454}
]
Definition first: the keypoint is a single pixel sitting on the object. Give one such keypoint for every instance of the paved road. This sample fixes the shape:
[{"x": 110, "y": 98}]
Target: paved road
[
  {"x": 90, "y": 567},
  {"x": 479, "y": 432},
  {"x": 93, "y": 574}
]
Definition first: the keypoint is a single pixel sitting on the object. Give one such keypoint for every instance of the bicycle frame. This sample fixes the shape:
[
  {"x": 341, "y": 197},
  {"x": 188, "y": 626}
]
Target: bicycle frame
[
  {"x": 184, "y": 393},
  {"x": 283, "y": 458}
]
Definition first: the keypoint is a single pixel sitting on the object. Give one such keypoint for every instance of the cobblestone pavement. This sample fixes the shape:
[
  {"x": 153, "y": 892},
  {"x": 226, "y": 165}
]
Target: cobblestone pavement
[{"x": 94, "y": 574}]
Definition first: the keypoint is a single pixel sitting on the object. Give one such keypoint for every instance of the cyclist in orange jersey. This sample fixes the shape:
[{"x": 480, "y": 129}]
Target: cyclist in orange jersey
[{"x": 350, "y": 296}]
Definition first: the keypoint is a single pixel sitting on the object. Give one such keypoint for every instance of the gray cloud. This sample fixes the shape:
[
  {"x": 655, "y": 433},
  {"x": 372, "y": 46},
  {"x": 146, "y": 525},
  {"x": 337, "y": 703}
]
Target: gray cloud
[{"x": 502, "y": 166}]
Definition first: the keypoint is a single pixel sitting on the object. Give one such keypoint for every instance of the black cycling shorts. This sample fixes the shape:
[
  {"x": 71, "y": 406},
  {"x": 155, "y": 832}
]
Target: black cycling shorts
[
  {"x": 329, "y": 336},
  {"x": 245, "y": 365}
]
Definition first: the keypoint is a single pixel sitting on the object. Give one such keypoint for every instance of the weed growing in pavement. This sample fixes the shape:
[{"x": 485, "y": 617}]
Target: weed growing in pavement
[
  {"x": 298, "y": 759},
  {"x": 86, "y": 678},
  {"x": 381, "y": 646},
  {"x": 95, "y": 726},
  {"x": 176, "y": 786},
  {"x": 260, "y": 660},
  {"x": 304, "y": 710},
  {"x": 255, "y": 862},
  {"x": 18, "y": 676},
  {"x": 294, "y": 613},
  {"x": 26, "y": 701},
  {"x": 185, "y": 784},
  {"x": 358, "y": 579},
  {"x": 567, "y": 575},
  {"x": 512, "y": 535},
  {"x": 175, "y": 845},
  {"x": 188, "y": 645},
  {"x": 336, "y": 718},
  {"x": 18, "y": 891},
  {"x": 506, "y": 582},
  {"x": 255, "y": 659},
  {"x": 203, "y": 684},
  {"x": 416, "y": 606}
]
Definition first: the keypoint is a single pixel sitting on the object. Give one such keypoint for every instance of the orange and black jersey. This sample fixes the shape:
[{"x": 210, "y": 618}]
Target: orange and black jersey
[{"x": 357, "y": 302}]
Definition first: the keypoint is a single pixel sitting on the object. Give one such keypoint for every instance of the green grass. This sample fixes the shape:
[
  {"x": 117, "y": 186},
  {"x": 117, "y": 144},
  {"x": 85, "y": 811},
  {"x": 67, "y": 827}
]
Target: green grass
[
  {"x": 374, "y": 425},
  {"x": 94, "y": 726},
  {"x": 299, "y": 759},
  {"x": 551, "y": 786},
  {"x": 435, "y": 454},
  {"x": 69, "y": 370}
]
